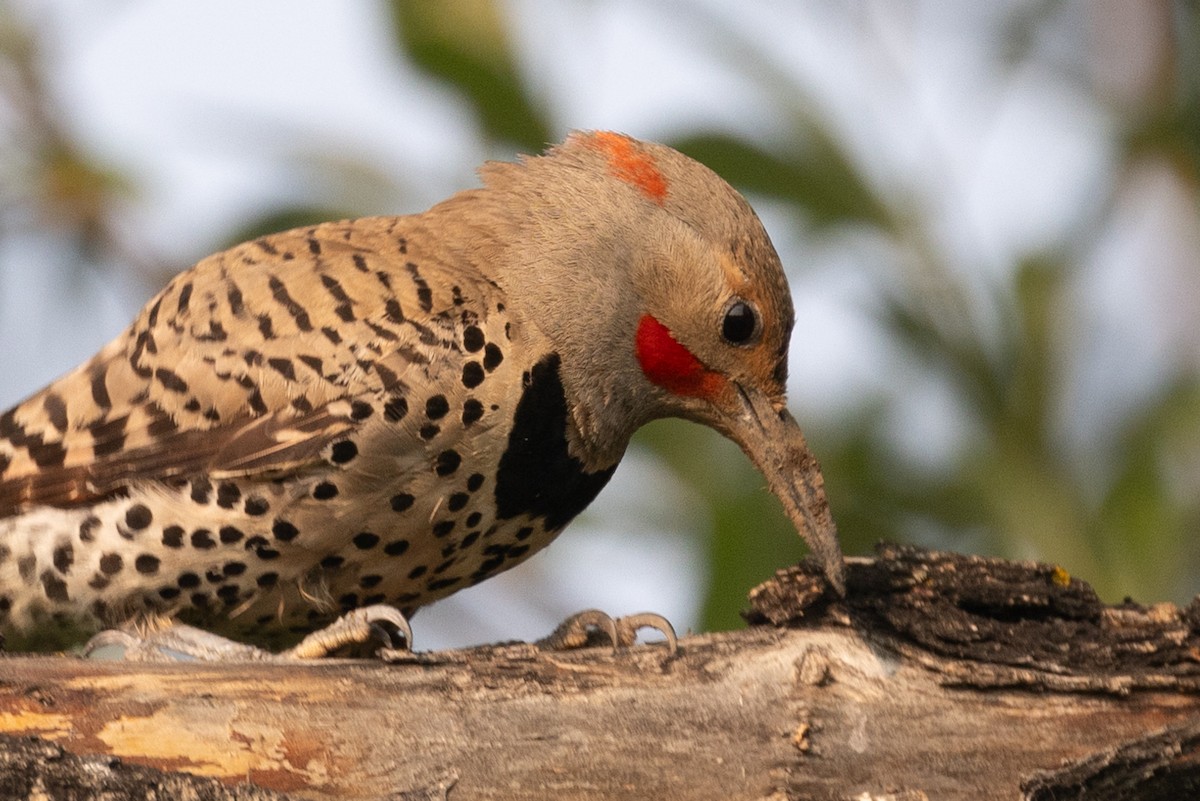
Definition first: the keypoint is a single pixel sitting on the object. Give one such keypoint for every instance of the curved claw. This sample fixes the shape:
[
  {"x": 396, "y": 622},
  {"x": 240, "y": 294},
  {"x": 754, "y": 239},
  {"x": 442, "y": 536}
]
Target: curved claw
[
  {"x": 356, "y": 627},
  {"x": 629, "y": 626},
  {"x": 579, "y": 629},
  {"x": 576, "y": 630}
]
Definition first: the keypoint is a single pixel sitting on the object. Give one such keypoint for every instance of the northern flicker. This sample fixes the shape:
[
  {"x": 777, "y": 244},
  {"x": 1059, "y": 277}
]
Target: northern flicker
[{"x": 387, "y": 410}]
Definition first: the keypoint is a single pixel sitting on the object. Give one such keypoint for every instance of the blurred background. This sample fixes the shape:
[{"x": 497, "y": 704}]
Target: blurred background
[{"x": 988, "y": 211}]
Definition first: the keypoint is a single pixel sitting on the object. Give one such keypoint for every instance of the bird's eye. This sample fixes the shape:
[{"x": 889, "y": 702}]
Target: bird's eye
[{"x": 740, "y": 323}]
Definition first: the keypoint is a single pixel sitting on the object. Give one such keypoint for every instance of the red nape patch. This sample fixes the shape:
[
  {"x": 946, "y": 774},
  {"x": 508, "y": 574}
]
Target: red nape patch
[
  {"x": 631, "y": 165},
  {"x": 669, "y": 364}
]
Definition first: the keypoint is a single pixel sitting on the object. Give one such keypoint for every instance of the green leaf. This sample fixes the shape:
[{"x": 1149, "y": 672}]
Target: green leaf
[{"x": 1145, "y": 526}]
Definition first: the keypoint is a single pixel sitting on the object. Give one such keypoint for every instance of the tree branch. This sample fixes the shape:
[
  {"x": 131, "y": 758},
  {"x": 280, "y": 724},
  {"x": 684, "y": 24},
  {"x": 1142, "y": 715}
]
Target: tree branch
[{"x": 940, "y": 676}]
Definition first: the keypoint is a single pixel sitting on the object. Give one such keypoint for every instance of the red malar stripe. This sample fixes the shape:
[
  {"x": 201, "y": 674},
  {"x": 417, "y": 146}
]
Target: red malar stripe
[{"x": 669, "y": 364}]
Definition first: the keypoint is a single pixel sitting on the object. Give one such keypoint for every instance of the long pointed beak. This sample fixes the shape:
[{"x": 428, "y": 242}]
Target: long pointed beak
[{"x": 772, "y": 439}]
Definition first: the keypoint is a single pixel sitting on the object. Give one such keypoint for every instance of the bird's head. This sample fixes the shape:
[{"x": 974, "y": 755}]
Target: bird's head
[{"x": 658, "y": 286}]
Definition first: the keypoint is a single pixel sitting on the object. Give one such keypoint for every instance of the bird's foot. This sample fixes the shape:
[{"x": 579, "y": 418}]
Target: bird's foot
[
  {"x": 377, "y": 623},
  {"x": 592, "y": 626},
  {"x": 171, "y": 642},
  {"x": 164, "y": 641}
]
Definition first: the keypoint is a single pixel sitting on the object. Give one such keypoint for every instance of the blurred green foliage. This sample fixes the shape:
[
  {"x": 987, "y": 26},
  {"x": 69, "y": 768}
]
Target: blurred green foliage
[{"x": 1127, "y": 520}]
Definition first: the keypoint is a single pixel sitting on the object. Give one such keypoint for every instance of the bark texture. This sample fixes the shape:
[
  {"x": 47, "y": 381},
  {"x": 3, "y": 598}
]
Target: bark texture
[{"x": 940, "y": 676}]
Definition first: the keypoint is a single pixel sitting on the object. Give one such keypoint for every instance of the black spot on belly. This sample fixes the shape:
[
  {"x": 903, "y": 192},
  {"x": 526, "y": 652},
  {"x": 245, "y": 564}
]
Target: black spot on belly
[
  {"x": 54, "y": 587},
  {"x": 537, "y": 475}
]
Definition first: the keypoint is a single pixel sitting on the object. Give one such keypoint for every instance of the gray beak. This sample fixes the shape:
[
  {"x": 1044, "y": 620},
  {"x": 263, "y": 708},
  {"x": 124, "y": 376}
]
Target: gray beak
[{"x": 772, "y": 439}]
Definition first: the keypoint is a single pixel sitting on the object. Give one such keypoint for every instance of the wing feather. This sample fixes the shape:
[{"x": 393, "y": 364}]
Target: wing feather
[{"x": 251, "y": 363}]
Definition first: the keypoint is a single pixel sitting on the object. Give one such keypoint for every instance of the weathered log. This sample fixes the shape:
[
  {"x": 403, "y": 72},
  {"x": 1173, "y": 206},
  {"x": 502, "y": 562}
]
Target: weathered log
[{"x": 940, "y": 676}]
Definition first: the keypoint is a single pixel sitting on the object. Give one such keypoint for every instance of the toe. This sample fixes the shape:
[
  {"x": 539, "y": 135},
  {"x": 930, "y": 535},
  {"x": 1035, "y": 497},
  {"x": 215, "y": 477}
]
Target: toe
[
  {"x": 378, "y": 623},
  {"x": 169, "y": 643},
  {"x": 590, "y": 626},
  {"x": 629, "y": 626},
  {"x": 110, "y": 645},
  {"x": 580, "y": 629},
  {"x": 389, "y": 626}
]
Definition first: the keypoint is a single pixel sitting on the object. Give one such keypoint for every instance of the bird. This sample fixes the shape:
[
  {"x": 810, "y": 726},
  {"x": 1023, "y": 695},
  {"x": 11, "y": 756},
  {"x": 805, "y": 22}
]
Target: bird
[{"x": 379, "y": 412}]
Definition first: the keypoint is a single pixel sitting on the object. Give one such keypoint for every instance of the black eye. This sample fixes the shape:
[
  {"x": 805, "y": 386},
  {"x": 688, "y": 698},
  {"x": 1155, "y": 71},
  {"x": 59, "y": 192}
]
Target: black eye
[{"x": 740, "y": 323}]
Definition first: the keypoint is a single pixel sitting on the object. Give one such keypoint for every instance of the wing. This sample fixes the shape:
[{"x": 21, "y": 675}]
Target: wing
[{"x": 252, "y": 362}]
